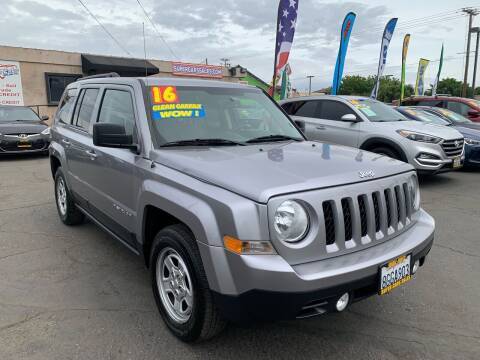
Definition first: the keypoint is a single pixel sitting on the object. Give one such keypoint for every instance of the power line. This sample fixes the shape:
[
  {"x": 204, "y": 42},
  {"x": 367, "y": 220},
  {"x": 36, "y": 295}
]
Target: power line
[
  {"x": 104, "y": 28},
  {"x": 156, "y": 30}
]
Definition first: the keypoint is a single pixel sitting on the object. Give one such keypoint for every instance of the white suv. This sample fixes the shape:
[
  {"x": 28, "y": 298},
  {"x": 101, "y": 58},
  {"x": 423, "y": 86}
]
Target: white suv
[{"x": 374, "y": 126}]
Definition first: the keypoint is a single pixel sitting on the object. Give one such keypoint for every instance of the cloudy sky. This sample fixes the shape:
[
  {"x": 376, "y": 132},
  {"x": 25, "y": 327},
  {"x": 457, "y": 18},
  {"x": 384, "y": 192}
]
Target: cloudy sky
[{"x": 244, "y": 31}]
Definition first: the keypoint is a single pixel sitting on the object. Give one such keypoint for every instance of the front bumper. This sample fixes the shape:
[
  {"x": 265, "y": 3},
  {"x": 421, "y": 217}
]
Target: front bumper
[
  {"x": 439, "y": 162},
  {"x": 12, "y": 144},
  {"x": 263, "y": 287},
  {"x": 472, "y": 156}
]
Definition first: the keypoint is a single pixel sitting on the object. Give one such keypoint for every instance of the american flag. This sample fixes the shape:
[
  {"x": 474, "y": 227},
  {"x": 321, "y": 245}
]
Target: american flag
[{"x": 287, "y": 22}]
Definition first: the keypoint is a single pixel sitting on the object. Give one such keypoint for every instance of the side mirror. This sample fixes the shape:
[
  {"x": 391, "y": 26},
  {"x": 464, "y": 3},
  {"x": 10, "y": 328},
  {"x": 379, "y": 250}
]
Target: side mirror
[
  {"x": 350, "y": 118},
  {"x": 473, "y": 113},
  {"x": 112, "y": 136},
  {"x": 44, "y": 118}
]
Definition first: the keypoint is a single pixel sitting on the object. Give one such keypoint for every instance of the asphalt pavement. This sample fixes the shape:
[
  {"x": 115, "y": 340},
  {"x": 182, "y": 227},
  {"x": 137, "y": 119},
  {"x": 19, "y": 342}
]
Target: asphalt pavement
[{"x": 75, "y": 293}]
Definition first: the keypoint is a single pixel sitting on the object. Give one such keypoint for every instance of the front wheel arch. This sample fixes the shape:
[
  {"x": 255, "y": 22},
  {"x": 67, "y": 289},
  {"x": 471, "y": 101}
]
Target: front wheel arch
[{"x": 374, "y": 143}]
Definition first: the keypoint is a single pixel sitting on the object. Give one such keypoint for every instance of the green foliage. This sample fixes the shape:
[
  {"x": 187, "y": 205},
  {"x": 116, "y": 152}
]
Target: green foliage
[
  {"x": 451, "y": 86},
  {"x": 362, "y": 86}
]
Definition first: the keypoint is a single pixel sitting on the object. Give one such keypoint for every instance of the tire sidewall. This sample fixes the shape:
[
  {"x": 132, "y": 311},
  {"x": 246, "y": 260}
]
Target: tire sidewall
[
  {"x": 190, "y": 330},
  {"x": 59, "y": 175}
]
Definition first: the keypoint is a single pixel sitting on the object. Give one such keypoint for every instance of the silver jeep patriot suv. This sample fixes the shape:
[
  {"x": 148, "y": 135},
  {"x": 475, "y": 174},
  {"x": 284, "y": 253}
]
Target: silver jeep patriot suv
[{"x": 237, "y": 215}]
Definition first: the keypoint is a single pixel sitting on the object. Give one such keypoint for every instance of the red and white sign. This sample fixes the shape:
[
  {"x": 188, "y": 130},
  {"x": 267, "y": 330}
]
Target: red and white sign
[
  {"x": 11, "y": 92},
  {"x": 197, "y": 70}
]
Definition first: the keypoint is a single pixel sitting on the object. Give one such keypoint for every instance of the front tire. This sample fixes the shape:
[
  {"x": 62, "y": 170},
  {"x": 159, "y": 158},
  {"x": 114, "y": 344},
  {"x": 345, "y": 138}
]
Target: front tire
[
  {"x": 180, "y": 286},
  {"x": 67, "y": 211}
]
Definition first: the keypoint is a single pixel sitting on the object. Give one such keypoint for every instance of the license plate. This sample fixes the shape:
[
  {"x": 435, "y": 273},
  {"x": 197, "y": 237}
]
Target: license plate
[
  {"x": 24, "y": 144},
  {"x": 457, "y": 162},
  {"x": 394, "y": 274}
]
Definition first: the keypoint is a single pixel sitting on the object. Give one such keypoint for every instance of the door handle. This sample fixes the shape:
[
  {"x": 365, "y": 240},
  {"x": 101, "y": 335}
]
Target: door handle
[
  {"x": 320, "y": 128},
  {"x": 66, "y": 142},
  {"x": 91, "y": 154}
]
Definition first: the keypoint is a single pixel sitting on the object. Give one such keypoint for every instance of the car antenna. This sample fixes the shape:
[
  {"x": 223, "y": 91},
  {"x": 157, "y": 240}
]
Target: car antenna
[{"x": 145, "y": 53}]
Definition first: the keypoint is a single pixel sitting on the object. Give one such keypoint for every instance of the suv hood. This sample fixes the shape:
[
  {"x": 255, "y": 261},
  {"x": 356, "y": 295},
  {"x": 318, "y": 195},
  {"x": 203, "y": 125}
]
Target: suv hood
[
  {"x": 469, "y": 132},
  {"x": 442, "y": 131},
  {"x": 20, "y": 127},
  {"x": 259, "y": 172}
]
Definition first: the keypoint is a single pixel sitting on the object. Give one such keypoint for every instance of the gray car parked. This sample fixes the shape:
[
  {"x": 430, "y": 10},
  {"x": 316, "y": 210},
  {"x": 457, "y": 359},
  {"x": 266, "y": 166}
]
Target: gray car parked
[
  {"x": 374, "y": 126},
  {"x": 237, "y": 216}
]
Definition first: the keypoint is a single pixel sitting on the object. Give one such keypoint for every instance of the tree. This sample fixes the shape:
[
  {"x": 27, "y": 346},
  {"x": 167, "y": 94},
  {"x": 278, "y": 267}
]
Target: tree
[
  {"x": 362, "y": 86},
  {"x": 451, "y": 86}
]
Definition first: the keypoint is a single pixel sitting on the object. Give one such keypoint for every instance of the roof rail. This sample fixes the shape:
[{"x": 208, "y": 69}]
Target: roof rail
[{"x": 107, "y": 75}]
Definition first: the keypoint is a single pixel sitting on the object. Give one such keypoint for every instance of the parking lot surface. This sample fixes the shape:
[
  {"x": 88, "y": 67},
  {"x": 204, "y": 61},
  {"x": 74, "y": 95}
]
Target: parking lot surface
[{"x": 75, "y": 293}]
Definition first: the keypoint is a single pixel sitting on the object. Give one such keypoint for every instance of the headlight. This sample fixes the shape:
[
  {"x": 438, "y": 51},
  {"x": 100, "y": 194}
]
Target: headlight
[
  {"x": 414, "y": 136},
  {"x": 291, "y": 221},
  {"x": 46, "y": 131},
  {"x": 414, "y": 192},
  {"x": 471, "y": 141}
]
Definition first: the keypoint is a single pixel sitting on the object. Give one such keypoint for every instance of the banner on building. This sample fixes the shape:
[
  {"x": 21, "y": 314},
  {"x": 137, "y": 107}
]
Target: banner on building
[
  {"x": 420, "y": 83},
  {"x": 345, "y": 33},
  {"x": 197, "y": 70},
  {"x": 286, "y": 25},
  {"x": 437, "y": 79},
  {"x": 11, "y": 92},
  {"x": 406, "y": 41},
  {"x": 386, "y": 38}
]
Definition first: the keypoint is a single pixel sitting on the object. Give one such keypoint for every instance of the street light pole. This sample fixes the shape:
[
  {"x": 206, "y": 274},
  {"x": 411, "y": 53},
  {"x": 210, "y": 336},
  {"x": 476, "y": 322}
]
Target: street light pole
[
  {"x": 310, "y": 84},
  {"x": 471, "y": 13},
  {"x": 477, "y": 30}
]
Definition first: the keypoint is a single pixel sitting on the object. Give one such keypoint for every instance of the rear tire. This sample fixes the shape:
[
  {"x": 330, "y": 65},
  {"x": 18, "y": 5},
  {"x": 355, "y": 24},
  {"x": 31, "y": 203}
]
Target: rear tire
[
  {"x": 176, "y": 268},
  {"x": 67, "y": 211},
  {"x": 387, "y": 151}
]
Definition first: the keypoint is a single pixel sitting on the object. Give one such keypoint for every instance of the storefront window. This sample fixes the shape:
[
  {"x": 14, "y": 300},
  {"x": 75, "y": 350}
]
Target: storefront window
[{"x": 56, "y": 84}]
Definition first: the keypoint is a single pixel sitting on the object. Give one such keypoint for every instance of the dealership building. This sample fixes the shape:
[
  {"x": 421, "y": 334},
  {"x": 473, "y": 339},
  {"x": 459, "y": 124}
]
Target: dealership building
[{"x": 37, "y": 78}]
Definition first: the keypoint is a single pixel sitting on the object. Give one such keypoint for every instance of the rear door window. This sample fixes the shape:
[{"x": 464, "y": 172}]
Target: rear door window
[
  {"x": 458, "y": 107},
  {"x": 84, "y": 111},
  {"x": 307, "y": 109},
  {"x": 334, "y": 110}
]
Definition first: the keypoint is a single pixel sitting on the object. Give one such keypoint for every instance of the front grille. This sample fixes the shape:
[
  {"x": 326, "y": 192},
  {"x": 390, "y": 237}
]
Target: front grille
[
  {"x": 379, "y": 215},
  {"x": 453, "y": 148}
]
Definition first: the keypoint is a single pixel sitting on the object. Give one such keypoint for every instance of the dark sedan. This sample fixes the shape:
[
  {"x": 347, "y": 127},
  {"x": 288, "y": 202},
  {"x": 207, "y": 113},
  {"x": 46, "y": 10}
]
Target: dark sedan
[
  {"x": 23, "y": 131},
  {"x": 469, "y": 130}
]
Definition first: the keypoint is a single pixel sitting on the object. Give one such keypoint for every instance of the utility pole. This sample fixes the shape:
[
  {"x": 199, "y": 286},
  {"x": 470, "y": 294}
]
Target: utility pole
[
  {"x": 471, "y": 13},
  {"x": 475, "y": 30},
  {"x": 309, "y": 77},
  {"x": 225, "y": 61}
]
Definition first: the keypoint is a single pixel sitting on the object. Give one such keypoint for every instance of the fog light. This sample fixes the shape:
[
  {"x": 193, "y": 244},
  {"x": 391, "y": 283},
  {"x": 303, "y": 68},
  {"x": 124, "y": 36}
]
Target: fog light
[
  {"x": 416, "y": 265},
  {"x": 342, "y": 302}
]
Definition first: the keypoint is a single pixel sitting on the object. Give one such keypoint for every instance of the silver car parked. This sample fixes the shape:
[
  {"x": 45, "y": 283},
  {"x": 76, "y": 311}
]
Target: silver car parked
[
  {"x": 237, "y": 215},
  {"x": 374, "y": 126}
]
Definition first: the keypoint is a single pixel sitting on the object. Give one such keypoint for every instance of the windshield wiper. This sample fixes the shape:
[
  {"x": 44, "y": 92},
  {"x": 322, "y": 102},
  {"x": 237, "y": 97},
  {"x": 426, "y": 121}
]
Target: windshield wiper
[
  {"x": 269, "y": 138},
  {"x": 202, "y": 142}
]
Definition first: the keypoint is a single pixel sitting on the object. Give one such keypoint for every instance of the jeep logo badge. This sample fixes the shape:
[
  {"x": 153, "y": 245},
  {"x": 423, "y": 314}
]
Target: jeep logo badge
[{"x": 366, "y": 174}]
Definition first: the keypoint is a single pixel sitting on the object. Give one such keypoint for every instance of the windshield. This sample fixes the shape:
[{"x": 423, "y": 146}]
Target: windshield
[
  {"x": 13, "y": 113},
  {"x": 424, "y": 116},
  {"x": 454, "y": 117},
  {"x": 227, "y": 115},
  {"x": 377, "y": 111}
]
